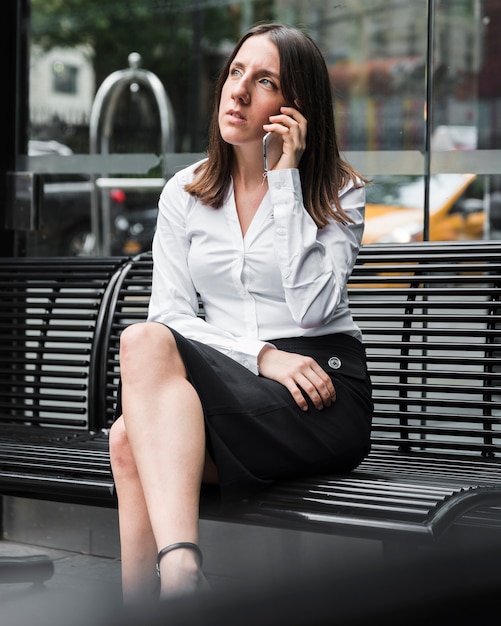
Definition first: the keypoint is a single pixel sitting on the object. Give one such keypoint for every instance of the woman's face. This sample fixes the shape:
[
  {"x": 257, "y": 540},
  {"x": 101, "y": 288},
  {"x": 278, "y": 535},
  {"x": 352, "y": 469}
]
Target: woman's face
[{"x": 251, "y": 92}]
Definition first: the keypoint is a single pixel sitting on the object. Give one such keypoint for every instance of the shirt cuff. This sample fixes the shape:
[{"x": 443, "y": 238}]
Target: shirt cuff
[
  {"x": 282, "y": 182},
  {"x": 249, "y": 351}
]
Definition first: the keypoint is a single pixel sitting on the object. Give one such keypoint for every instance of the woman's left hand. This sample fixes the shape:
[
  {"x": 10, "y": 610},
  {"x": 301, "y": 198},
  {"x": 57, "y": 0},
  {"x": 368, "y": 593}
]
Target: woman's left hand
[
  {"x": 300, "y": 374},
  {"x": 291, "y": 126}
]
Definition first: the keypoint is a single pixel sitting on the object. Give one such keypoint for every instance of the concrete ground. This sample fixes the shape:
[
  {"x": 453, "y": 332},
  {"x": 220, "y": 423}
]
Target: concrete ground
[
  {"x": 82, "y": 590},
  {"x": 447, "y": 590},
  {"x": 82, "y": 543}
]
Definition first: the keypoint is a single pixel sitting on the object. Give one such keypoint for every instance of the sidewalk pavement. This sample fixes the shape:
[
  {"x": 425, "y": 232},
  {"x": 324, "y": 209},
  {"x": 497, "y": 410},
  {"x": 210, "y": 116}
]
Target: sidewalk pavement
[
  {"x": 455, "y": 588},
  {"x": 85, "y": 588},
  {"x": 82, "y": 590}
]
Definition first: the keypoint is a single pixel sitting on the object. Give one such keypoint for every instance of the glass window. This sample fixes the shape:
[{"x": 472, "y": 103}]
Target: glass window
[{"x": 121, "y": 97}]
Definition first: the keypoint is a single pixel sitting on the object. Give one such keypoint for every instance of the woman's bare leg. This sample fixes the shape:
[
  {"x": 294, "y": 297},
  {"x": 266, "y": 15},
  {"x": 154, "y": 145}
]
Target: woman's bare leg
[
  {"x": 138, "y": 546},
  {"x": 164, "y": 428}
]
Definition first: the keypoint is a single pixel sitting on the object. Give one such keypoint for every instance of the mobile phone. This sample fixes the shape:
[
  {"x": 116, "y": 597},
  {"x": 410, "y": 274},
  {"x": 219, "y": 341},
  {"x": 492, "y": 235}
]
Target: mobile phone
[{"x": 266, "y": 138}]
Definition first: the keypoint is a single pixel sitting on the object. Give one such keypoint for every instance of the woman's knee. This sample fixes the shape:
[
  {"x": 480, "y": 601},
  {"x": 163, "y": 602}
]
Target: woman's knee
[
  {"x": 121, "y": 457},
  {"x": 145, "y": 343},
  {"x": 143, "y": 337}
]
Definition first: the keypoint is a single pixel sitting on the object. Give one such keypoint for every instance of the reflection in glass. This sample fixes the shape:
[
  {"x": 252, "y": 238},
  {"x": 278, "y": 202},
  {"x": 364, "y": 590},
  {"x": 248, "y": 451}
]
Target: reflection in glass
[
  {"x": 376, "y": 52},
  {"x": 394, "y": 211}
]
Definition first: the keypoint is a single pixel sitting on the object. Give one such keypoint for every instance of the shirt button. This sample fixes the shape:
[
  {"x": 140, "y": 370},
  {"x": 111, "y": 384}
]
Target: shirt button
[
  {"x": 281, "y": 231},
  {"x": 277, "y": 185}
]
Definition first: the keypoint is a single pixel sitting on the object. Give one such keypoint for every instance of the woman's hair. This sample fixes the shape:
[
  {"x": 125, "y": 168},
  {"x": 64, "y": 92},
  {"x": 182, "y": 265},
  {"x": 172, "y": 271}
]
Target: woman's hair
[{"x": 305, "y": 84}]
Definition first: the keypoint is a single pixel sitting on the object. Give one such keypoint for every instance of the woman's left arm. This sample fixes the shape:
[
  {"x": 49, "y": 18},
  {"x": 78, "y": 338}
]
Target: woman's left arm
[{"x": 315, "y": 263}]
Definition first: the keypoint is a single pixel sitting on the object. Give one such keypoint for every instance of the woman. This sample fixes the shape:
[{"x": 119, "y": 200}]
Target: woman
[{"x": 273, "y": 383}]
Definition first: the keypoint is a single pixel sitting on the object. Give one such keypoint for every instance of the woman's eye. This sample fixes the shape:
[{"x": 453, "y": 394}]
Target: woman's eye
[{"x": 267, "y": 82}]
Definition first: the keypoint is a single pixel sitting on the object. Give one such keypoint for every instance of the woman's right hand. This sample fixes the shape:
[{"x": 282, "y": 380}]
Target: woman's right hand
[
  {"x": 291, "y": 126},
  {"x": 300, "y": 375}
]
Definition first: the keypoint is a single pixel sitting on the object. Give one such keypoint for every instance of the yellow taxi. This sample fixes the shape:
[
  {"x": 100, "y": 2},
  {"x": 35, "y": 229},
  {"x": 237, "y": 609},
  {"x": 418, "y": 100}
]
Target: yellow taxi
[{"x": 395, "y": 213}]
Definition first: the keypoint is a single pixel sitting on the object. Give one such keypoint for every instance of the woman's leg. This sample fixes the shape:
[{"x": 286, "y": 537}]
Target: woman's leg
[
  {"x": 164, "y": 430},
  {"x": 138, "y": 546}
]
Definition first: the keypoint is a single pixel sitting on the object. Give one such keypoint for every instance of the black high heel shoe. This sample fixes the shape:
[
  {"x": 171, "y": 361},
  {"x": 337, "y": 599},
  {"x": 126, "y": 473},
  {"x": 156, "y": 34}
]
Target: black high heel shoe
[
  {"x": 176, "y": 546},
  {"x": 201, "y": 583}
]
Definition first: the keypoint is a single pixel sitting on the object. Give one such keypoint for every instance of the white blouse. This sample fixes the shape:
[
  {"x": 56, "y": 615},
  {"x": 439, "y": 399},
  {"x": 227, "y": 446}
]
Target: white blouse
[{"x": 285, "y": 278}]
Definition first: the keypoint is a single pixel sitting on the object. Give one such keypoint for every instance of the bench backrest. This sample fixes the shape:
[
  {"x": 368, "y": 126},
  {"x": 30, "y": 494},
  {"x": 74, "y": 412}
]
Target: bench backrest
[
  {"x": 430, "y": 314},
  {"x": 431, "y": 318},
  {"x": 51, "y": 311}
]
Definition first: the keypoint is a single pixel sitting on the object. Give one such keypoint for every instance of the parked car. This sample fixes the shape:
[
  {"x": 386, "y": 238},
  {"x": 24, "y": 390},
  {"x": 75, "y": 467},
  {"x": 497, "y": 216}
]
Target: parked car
[
  {"x": 395, "y": 209},
  {"x": 133, "y": 228}
]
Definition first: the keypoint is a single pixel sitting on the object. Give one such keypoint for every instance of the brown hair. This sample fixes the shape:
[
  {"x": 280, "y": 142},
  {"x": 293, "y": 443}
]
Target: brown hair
[{"x": 305, "y": 82}]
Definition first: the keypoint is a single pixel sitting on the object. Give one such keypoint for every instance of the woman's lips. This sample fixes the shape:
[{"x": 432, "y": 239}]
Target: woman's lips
[{"x": 236, "y": 116}]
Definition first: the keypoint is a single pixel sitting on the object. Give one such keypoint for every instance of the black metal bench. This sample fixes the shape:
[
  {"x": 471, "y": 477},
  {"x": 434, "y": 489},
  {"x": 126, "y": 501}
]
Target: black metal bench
[
  {"x": 53, "y": 313},
  {"x": 431, "y": 317}
]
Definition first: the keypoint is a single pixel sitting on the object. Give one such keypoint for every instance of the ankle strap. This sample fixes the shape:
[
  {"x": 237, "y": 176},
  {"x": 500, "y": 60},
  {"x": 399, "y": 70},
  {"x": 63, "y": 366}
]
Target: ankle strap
[{"x": 176, "y": 546}]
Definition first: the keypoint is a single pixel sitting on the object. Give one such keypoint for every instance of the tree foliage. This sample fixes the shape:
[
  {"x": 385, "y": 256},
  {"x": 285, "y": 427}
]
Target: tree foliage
[
  {"x": 162, "y": 32},
  {"x": 178, "y": 40}
]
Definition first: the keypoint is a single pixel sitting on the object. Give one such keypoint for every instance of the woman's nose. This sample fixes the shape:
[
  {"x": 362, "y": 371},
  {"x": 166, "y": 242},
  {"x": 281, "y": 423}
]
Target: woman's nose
[{"x": 241, "y": 91}]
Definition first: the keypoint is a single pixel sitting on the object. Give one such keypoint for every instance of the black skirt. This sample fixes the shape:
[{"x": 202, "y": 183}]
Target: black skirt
[{"x": 255, "y": 431}]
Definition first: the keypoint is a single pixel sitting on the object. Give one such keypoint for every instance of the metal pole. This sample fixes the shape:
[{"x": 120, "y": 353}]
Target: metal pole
[
  {"x": 106, "y": 102},
  {"x": 428, "y": 108}
]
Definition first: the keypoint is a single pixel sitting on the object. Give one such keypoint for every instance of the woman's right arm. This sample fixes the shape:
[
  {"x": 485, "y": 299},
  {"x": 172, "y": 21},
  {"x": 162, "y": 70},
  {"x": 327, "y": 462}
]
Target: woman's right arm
[{"x": 174, "y": 300}]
